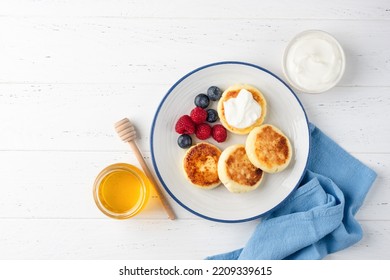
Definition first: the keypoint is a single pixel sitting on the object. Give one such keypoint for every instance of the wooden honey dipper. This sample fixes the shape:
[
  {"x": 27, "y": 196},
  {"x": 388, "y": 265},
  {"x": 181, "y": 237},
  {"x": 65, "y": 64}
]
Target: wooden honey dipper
[{"x": 127, "y": 133}]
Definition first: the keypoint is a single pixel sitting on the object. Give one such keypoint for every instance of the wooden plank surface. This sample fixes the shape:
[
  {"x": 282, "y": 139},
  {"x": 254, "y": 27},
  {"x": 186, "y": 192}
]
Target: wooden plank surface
[
  {"x": 70, "y": 69},
  {"x": 81, "y": 117},
  {"x": 86, "y": 50},
  {"x": 151, "y": 239},
  {"x": 59, "y": 185},
  {"x": 301, "y": 9}
]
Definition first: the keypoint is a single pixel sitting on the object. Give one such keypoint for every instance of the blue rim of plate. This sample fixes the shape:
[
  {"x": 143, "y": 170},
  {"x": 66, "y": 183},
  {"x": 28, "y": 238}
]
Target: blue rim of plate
[{"x": 152, "y": 138}]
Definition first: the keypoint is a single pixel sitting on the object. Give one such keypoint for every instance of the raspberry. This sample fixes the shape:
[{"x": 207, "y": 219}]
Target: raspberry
[
  {"x": 198, "y": 115},
  {"x": 203, "y": 131},
  {"x": 185, "y": 125},
  {"x": 219, "y": 133}
]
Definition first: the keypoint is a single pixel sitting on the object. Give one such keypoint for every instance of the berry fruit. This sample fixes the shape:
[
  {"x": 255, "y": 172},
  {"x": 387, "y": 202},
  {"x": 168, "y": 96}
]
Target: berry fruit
[
  {"x": 219, "y": 133},
  {"x": 198, "y": 115},
  {"x": 184, "y": 141},
  {"x": 212, "y": 115},
  {"x": 214, "y": 93},
  {"x": 185, "y": 125},
  {"x": 203, "y": 131},
  {"x": 202, "y": 101}
]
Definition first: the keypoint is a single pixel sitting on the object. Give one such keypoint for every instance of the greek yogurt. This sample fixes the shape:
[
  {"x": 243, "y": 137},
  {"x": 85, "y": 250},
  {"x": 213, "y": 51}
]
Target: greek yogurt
[
  {"x": 313, "y": 61},
  {"x": 242, "y": 111}
]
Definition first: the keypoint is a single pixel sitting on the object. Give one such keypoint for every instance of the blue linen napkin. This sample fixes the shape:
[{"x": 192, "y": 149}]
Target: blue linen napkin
[{"x": 318, "y": 217}]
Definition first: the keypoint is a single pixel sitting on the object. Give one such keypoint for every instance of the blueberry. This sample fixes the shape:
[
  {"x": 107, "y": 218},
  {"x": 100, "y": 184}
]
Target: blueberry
[
  {"x": 214, "y": 93},
  {"x": 212, "y": 115},
  {"x": 184, "y": 141},
  {"x": 202, "y": 100}
]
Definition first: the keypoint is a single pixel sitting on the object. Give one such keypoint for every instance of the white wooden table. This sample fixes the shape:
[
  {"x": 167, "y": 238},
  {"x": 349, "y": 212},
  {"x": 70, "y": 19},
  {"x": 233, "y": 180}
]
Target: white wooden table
[{"x": 70, "y": 69}]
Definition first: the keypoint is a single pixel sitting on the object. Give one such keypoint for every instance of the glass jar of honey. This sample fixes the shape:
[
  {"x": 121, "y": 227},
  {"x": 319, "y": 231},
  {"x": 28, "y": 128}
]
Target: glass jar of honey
[{"x": 121, "y": 190}]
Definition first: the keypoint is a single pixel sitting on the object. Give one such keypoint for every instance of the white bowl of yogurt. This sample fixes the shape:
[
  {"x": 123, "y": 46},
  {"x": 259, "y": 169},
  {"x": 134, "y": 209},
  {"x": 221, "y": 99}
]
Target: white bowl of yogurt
[{"x": 313, "y": 61}]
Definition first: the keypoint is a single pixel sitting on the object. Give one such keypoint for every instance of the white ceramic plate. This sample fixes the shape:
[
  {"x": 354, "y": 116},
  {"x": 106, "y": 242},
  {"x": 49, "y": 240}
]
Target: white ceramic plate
[{"x": 284, "y": 111}]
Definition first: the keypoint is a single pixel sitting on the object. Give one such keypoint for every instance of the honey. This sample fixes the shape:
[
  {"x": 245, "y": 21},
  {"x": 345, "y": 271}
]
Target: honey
[{"x": 121, "y": 190}]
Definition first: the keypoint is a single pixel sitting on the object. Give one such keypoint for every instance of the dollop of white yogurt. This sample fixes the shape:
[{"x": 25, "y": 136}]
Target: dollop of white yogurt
[
  {"x": 242, "y": 111},
  {"x": 314, "y": 61}
]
